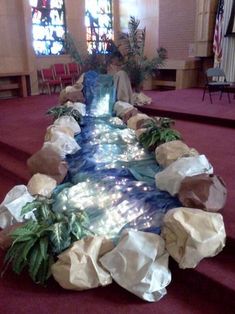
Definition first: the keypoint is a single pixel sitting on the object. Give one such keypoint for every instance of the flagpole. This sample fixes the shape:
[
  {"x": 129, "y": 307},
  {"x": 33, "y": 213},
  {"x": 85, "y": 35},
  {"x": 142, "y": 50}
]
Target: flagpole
[{"x": 218, "y": 34}]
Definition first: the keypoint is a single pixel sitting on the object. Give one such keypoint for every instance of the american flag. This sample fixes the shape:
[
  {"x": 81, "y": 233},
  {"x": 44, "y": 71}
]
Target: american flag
[{"x": 217, "y": 43}]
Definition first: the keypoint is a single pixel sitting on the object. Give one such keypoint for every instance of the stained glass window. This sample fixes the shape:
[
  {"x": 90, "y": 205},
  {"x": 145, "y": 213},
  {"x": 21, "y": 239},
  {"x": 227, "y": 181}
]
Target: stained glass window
[
  {"x": 99, "y": 25},
  {"x": 48, "y": 26}
]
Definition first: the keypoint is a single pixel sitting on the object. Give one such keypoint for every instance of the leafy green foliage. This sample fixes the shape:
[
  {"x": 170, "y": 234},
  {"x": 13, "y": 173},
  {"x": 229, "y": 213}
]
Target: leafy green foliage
[
  {"x": 132, "y": 45},
  {"x": 158, "y": 132},
  {"x": 90, "y": 61},
  {"x": 36, "y": 243},
  {"x": 59, "y": 111}
]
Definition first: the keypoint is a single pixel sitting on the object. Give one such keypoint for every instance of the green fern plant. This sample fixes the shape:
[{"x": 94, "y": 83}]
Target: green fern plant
[
  {"x": 158, "y": 132},
  {"x": 136, "y": 64},
  {"x": 59, "y": 111},
  {"x": 37, "y": 243}
]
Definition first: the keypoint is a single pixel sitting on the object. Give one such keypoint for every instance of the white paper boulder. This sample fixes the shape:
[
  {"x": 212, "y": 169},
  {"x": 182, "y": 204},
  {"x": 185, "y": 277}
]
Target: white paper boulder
[
  {"x": 171, "y": 177},
  {"x": 193, "y": 234},
  {"x": 70, "y": 122},
  {"x": 139, "y": 263}
]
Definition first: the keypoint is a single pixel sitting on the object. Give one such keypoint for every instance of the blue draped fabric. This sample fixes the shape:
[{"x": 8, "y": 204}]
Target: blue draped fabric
[{"x": 112, "y": 177}]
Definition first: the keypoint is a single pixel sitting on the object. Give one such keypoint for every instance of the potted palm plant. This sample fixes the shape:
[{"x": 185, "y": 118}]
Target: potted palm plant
[{"x": 136, "y": 64}]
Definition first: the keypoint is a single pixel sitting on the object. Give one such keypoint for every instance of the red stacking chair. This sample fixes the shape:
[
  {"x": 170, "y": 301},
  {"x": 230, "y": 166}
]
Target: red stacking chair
[
  {"x": 74, "y": 70},
  {"x": 49, "y": 80},
  {"x": 61, "y": 73}
]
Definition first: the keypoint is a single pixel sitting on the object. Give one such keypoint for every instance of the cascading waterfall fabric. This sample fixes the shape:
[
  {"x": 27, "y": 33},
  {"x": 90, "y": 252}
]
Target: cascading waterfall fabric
[{"x": 111, "y": 177}]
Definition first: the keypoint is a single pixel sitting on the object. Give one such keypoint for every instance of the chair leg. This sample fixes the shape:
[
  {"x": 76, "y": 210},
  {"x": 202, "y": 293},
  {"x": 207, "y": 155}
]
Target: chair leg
[
  {"x": 49, "y": 88},
  {"x": 204, "y": 92},
  {"x": 229, "y": 100},
  {"x": 210, "y": 97},
  {"x": 221, "y": 94}
]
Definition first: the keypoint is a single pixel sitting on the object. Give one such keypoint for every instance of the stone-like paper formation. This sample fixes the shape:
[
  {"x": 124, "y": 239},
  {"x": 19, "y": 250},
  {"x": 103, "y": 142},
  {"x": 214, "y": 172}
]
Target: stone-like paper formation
[
  {"x": 78, "y": 268},
  {"x": 48, "y": 161},
  {"x": 139, "y": 263},
  {"x": 203, "y": 191},
  {"x": 193, "y": 234},
  {"x": 171, "y": 151}
]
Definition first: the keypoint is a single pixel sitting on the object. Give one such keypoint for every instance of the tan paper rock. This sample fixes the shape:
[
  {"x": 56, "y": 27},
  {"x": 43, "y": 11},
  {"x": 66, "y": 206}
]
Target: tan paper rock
[
  {"x": 52, "y": 129},
  {"x": 41, "y": 184},
  {"x": 71, "y": 93},
  {"x": 78, "y": 268},
  {"x": 140, "y": 99},
  {"x": 138, "y": 121},
  {"x": 203, "y": 191},
  {"x": 127, "y": 114},
  {"x": 48, "y": 161},
  {"x": 120, "y": 107},
  {"x": 169, "y": 152},
  {"x": 193, "y": 234}
]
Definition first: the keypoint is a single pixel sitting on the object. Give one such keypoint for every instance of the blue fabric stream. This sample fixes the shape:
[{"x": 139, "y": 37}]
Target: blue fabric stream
[{"x": 111, "y": 177}]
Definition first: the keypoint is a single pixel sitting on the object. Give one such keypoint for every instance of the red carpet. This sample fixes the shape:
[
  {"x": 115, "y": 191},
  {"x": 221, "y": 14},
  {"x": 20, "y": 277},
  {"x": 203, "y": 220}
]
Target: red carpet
[
  {"x": 210, "y": 288},
  {"x": 187, "y": 104}
]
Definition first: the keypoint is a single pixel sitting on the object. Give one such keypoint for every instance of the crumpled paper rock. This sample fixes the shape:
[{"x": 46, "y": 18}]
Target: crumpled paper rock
[
  {"x": 80, "y": 107},
  {"x": 171, "y": 177},
  {"x": 193, "y": 234},
  {"x": 203, "y": 191},
  {"x": 128, "y": 113},
  {"x": 78, "y": 268},
  {"x": 5, "y": 235},
  {"x": 64, "y": 143},
  {"x": 139, "y": 263},
  {"x": 138, "y": 121},
  {"x": 48, "y": 161},
  {"x": 72, "y": 93},
  {"x": 55, "y": 129},
  {"x": 140, "y": 99},
  {"x": 69, "y": 122},
  {"x": 10, "y": 208},
  {"x": 139, "y": 132},
  {"x": 41, "y": 184},
  {"x": 121, "y": 106},
  {"x": 171, "y": 151}
]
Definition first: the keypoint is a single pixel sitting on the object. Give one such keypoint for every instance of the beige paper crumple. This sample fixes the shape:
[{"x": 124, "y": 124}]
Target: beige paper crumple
[
  {"x": 193, "y": 234},
  {"x": 41, "y": 184},
  {"x": 48, "y": 161},
  {"x": 204, "y": 191},
  {"x": 169, "y": 152},
  {"x": 171, "y": 177},
  {"x": 120, "y": 107},
  {"x": 69, "y": 122},
  {"x": 139, "y": 263},
  {"x": 138, "y": 121},
  {"x": 78, "y": 268},
  {"x": 72, "y": 93},
  {"x": 56, "y": 128},
  {"x": 140, "y": 99}
]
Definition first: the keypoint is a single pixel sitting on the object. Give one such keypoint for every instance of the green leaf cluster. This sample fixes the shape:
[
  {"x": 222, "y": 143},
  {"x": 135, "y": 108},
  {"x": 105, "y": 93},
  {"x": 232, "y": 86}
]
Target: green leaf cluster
[
  {"x": 132, "y": 45},
  {"x": 59, "y": 111},
  {"x": 37, "y": 243},
  {"x": 158, "y": 132}
]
